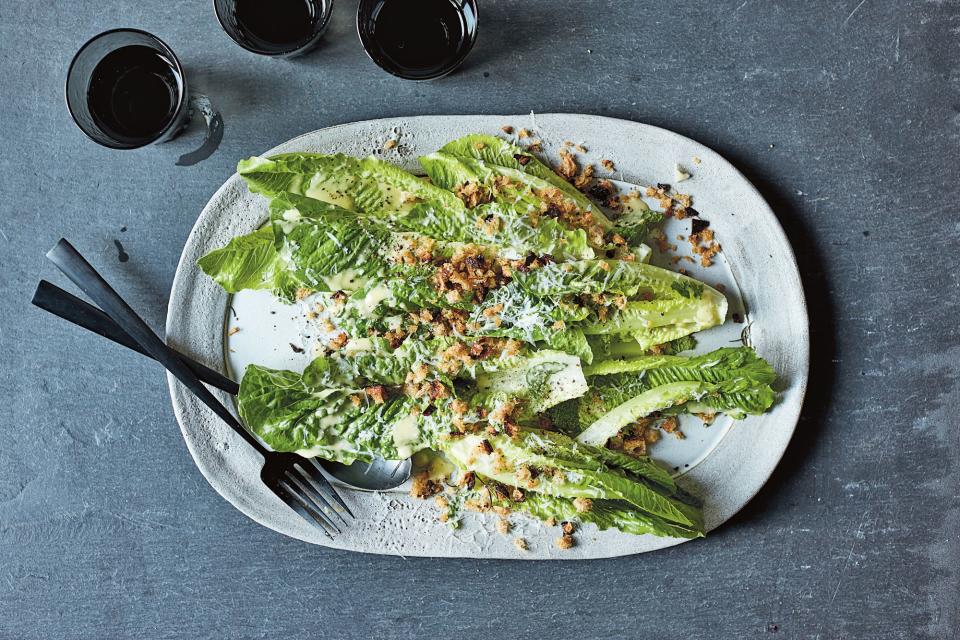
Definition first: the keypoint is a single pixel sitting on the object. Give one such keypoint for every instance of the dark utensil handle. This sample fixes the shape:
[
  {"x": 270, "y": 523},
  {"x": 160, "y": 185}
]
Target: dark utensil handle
[
  {"x": 75, "y": 267},
  {"x": 63, "y": 304}
]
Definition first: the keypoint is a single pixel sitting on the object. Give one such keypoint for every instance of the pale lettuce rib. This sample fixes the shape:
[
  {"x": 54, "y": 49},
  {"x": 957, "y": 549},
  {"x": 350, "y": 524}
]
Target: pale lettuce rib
[{"x": 656, "y": 399}]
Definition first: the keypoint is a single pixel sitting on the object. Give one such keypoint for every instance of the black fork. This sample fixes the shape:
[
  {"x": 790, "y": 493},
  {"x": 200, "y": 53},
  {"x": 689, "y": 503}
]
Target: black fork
[{"x": 297, "y": 481}]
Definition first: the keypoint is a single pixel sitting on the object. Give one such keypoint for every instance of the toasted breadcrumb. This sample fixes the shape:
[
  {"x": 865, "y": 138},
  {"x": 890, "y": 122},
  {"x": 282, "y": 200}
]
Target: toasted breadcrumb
[
  {"x": 671, "y": 425},
  {"x": 582, "y": 181},
  {"x": 608, "y": 164},
  {"x": 507, "y": 129},
  {"x": 503, "y": 526},
  {"x": 568, "y": 165},
  {"x": 377, "y": 393},
  {"x": 390, "y": 144},
  {"x": 473, "y": 195},
  {"x": 339, "y": 341},
  {"x": 706, "y": 418},
  {"x": 583, "y": 505},
  {"x": 520, "y": 544},
  {"x": 302, "y": 293},
  {"x": 233, "y": 331},
  {"x": 523, "y": 133},
  {"x": 556, "y": 204},
  {"x": 565, "y": 542},
  {"x": 467, "y": 480},
  {"x": 423, "y": 486},
  {"x": 580, "y": 148},
  {"x": 568, "y": 528},
  {"x": 551, "y": 521}
]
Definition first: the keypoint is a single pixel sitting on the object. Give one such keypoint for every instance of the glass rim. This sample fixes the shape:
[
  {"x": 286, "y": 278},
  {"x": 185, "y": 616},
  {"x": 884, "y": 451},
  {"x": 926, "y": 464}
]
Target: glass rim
[
  {"x": 303, "y": 48},
  {"x": 181, "y": 94}
]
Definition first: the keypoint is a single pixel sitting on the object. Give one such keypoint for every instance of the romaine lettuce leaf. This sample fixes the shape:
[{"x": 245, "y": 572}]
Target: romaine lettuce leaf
[
  {"x": 733, "y": 380},
  {"x": 495, "y": 151},
  {"x": 290, "y": 415},
  {"x": 605, "y": 514},
  {"x": 566, "y": 469},
  {"x": 369, "y": 185},
  {"x": 454, "y": 172},
  {"x": 247, "y": 262}
]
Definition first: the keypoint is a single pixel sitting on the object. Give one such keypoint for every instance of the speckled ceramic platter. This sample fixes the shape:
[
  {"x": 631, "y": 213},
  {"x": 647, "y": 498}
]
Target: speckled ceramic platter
[{"x": 725, "y": 464}]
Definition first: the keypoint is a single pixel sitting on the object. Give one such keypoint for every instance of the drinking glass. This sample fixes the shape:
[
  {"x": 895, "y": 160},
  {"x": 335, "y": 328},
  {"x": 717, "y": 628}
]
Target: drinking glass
[
  {"x": 278, "y": 28},
  {"x": 126, "y": 89}
]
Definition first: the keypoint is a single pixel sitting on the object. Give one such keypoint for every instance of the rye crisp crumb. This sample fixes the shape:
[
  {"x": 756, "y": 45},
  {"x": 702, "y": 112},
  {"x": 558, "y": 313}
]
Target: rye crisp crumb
[{"x": 565, "y": 542}]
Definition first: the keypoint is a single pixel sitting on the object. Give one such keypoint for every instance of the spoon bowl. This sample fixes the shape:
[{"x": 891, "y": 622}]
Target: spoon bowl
[{"x": 379, "y": 475}]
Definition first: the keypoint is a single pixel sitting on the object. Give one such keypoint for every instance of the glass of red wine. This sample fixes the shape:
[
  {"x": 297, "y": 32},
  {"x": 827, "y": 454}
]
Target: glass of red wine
[
  {"x": 421, "y": 40},
  {"x": 126, "y": 89},
  {"x": 279, "y": 28}
]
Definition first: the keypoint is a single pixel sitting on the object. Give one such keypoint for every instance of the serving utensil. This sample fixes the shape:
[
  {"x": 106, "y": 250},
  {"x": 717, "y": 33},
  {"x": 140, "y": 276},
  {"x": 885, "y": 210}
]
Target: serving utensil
[
  {"x": 379, "y": 475},
  {"x": 299, "y": 482}
]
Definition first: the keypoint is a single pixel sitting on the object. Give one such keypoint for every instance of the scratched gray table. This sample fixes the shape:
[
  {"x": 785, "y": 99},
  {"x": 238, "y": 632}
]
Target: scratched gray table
[{"x": 846, "y": 114}]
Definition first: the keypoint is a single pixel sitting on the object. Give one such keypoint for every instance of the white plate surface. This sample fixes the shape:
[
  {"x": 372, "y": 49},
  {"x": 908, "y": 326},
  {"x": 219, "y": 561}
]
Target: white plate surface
[{"x": 725, "y": 464}]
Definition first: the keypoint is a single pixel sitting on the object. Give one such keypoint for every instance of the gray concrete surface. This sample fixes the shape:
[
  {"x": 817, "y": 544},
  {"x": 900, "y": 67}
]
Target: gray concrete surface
[{"x": 845, "y": 113}]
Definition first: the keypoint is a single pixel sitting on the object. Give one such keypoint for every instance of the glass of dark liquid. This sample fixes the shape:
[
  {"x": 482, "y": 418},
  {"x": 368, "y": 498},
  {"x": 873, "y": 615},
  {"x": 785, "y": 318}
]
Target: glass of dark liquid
[
  {"x": 126, "y": 89},
  {"x": 417, "y": 40},
  {"x": 280, "y": 28}
]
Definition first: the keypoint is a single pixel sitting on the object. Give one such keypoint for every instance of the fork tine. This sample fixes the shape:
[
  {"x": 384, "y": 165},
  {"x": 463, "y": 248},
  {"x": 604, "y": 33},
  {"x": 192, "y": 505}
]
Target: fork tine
[
  {"x": 318, "y": 500},
  {"x": 290, "y": 498},
  {"x": 318, "y": 492},
  {"x": 316, "y": 473}
]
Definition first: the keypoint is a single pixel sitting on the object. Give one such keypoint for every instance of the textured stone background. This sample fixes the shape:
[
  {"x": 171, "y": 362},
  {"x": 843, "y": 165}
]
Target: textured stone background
[{"x": 845, "y": 113}]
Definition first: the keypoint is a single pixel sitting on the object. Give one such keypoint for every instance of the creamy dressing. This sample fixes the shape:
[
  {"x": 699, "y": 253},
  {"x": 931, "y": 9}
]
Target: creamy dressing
[
  {"x": 330, "y": 191},
  {"x": 323, "y": 451},
  {"x": 405, "y": 436},
  {"x": 358, "y": 345},
  {"x": 373, "y": 298},
  {"x": 347, "y": 280}
]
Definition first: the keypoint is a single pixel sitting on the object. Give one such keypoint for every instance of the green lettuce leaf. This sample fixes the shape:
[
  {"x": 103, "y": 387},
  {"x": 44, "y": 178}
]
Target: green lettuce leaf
[
  {"x": 733, "y": 380},
  {"x": 369, "y": 185},
  {"x": 605, "y": 514},
  {"x": 567, "y": 469},
  {"x": 494, "y": 151},
  {"x": 453, "y": 172},
  {"x": 290, "y": 415},
  {"x": 247, "y": 262}
]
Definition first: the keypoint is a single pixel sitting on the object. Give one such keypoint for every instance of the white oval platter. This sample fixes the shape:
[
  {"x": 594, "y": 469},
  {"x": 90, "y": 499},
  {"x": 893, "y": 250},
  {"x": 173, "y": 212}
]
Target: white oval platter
[{"x": 725, "y": 464}]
